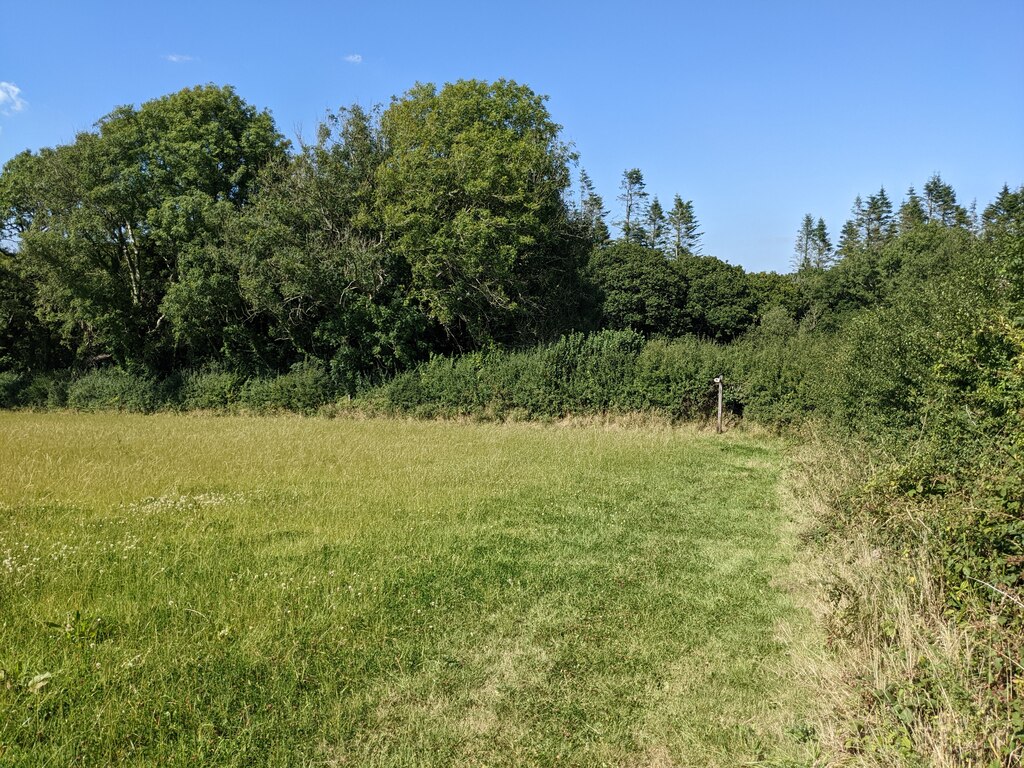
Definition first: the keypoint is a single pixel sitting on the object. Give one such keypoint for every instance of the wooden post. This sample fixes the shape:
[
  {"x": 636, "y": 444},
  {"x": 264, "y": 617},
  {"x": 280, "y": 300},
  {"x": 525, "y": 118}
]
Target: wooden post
[{"x": 718, "y": 381}]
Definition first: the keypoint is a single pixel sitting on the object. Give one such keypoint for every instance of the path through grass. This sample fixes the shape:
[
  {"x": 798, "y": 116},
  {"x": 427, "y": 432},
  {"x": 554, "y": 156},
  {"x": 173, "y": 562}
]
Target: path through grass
[{"x": 182, "y": 590}]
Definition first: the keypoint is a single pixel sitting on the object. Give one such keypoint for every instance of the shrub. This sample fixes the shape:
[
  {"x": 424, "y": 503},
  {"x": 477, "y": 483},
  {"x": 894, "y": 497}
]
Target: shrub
[
  {"x": 594, "y": 373},
  {"x": 211, "y": 389},
  {"x": 582, "y": 374},
  {"x": 113, "y": 389},
  {"x": 303, "y": 389},
  {"x": 782, "y": 377},
  {"x": 45, "y": 390},
  {"x": 676, "y": 377},
  {"x": 10, "y": 387}
]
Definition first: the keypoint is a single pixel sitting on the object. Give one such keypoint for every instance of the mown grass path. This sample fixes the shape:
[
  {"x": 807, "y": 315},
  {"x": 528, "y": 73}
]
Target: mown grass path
[{"x": 285, "y": 591}]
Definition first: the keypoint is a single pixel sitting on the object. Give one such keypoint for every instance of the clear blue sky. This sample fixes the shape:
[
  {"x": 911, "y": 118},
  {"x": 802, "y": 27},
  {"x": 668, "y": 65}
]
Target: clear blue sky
[{"x": 757, "y": 111}]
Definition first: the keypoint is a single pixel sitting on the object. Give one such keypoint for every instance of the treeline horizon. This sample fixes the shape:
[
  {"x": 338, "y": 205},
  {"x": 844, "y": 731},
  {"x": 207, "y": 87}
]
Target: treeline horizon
[{"x": 189, "y": 233}]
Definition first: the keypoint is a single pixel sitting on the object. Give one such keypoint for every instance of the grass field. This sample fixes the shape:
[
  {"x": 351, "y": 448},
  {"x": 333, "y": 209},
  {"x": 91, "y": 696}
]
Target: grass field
[{"x": 187, "y": 590}]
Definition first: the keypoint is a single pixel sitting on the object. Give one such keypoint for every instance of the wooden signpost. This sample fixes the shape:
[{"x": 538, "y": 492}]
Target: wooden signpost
[{"x": 718, "y": 381}]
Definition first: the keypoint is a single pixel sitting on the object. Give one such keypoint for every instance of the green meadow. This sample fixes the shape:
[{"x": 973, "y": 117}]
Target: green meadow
[{"x": 204, "y": 590}]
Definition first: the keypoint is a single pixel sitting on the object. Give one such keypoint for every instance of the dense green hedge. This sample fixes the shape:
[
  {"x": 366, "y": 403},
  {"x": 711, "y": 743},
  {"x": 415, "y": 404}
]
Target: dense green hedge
[
  {"x": 767, "y": 378},
  {"x": 304, "y": 389},
  {"x": 114, "y": 389}
]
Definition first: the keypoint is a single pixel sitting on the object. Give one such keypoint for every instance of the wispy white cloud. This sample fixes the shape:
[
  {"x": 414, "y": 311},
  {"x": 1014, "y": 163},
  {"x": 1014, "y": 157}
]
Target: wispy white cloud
[
  {"x": 10, "y": 98},
  {"x": 354, "y": 58},
  {"x": 179, "y": 58}
]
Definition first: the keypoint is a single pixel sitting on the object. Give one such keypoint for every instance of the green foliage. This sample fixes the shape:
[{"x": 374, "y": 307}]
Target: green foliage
[
  {"x": 592, "y": 212},
  {"x": 25, "y": 342},
  {"x": 684, "y": 230},
  {"x": 813, "y": 248},
  {"x": 930, "y": 371},
  {"x": 114, "y": 389},
  {"x": 719, "y": 303},
  {"x": 633, "y": 195},
  {"x": 1003, "y": 236},
  {"x": 312, "y": 263},
  {"x": 577, "y": 374},
  {"x": 780, "y": 374},
  {"x": 674, "y": 377},
  {"x": 772, "y": 292},
  {"x": 472, "y": 199},
  {"x": 210, "y": 389},
  {"x": 593, "y": 374},
  {"x": 639, "y": 289},
  {"x": 607, "y": 372},
  {"x": 656, "y": 229},
  {"x": 45, "y": 390},
  {"x": 112, "y": 224},
  {"x": 302, "y": 390},
  {"x": 10, "y": 388},
  {"x": 941, "y": 206}
]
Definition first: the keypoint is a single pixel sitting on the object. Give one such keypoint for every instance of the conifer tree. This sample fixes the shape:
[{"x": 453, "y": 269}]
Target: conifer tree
[
  {"x": 632, "y": 196},
  {"x": 941, "y": 205},
  {"x": 804, "y": 245},
  {"x": 813, "y": 248},
  {"x": 656, "y": 229},
  {"x": 592, "y": 210},
  {"x": 823, "y": 246},
  {"x": 850, "y": 241},
  {"x": 684, "y": 229},
  {"x": 877, "y": 219},
  {"x": 911, "y": 213}
]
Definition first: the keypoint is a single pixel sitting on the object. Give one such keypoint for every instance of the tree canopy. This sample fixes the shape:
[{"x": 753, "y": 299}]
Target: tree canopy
[
  {"x": 187, "y": 232},
  {"x": 108, "y": 226},
  {"x": 472, "y": 198}
]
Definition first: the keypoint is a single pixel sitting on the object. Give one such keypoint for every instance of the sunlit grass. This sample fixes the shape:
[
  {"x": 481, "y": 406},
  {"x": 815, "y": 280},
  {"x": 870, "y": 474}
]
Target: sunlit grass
[{"x": 285, "y": 591}]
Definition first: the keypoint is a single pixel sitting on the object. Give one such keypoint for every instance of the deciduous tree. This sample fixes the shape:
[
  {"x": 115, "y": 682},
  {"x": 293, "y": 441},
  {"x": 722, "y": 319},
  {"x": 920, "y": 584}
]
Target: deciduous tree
[
  {"x": 471, "y": 196},
  {"x": 117, "y": 218}
]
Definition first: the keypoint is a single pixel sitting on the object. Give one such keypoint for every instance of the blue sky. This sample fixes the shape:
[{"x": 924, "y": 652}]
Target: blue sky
[{"x": 759, "y": 112}]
